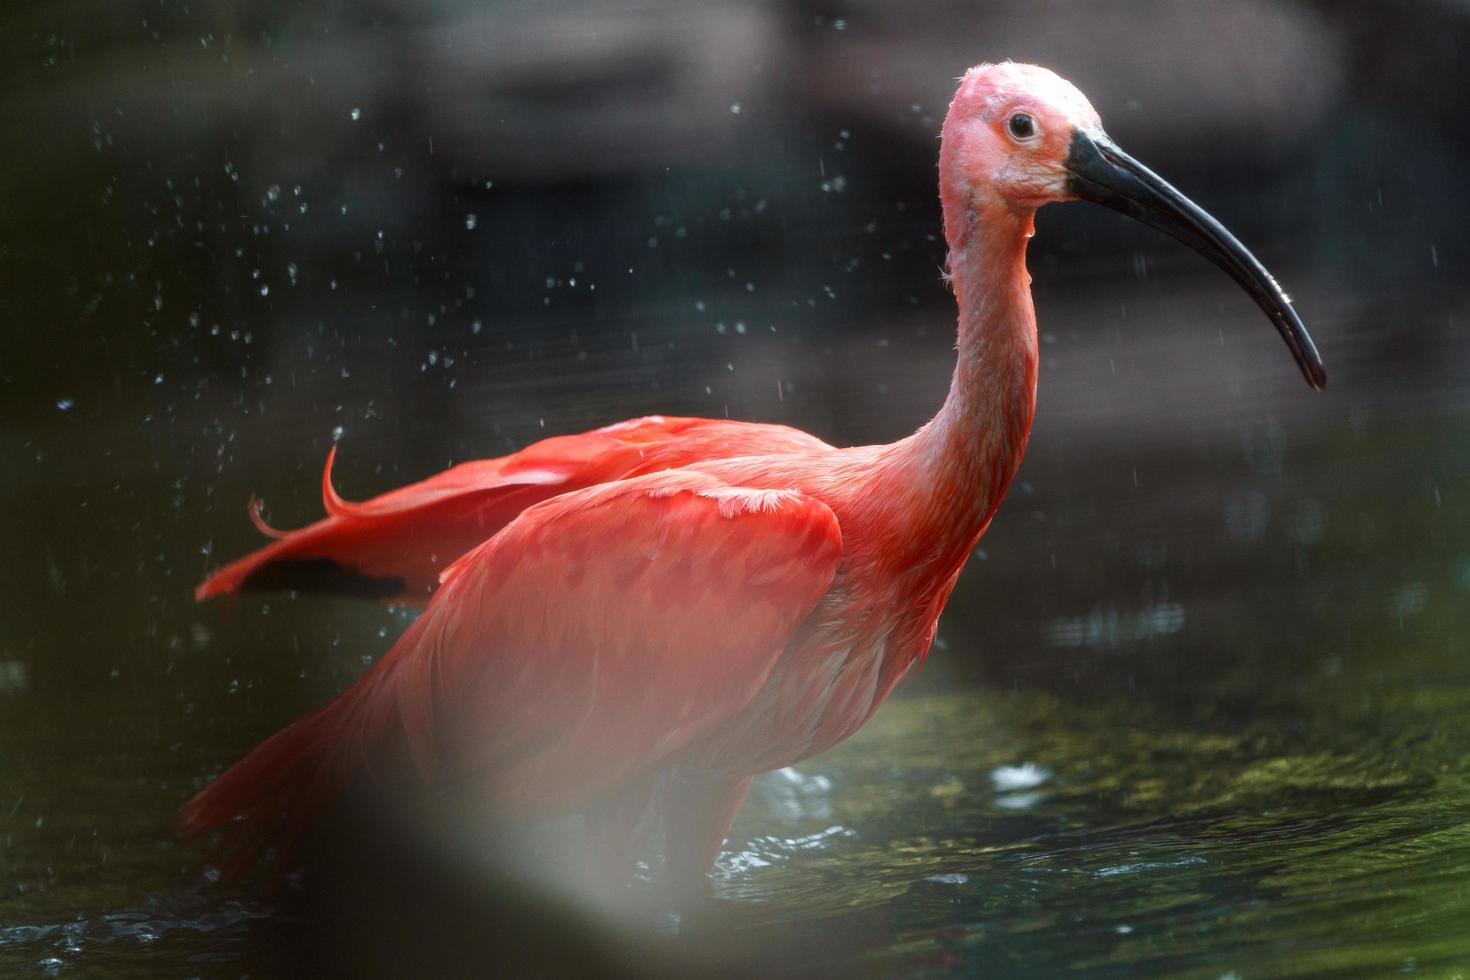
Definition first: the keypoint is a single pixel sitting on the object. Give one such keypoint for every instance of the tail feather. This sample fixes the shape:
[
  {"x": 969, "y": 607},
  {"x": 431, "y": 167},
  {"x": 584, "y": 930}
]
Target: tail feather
[
  {"x": 272, "y": 798},
  {"x": 275, "y": 796},
  {"x": 390, "y": 548},
  {"x": 265, "y": 798}
]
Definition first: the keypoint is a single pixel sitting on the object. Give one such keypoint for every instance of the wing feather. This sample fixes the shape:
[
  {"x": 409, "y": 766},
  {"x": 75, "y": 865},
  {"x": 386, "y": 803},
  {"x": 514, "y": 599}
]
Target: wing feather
[
  {"x": 613, "y": 626},
  {"x": 393, "y": 547},
  {"x": 595, "y": 636}
]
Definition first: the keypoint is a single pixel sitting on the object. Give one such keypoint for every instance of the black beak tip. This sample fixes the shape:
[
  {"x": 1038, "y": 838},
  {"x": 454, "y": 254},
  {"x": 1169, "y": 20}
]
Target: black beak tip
[
  {"x": 1102, "y": 173},
  {"x": 1299, "y": 341}
]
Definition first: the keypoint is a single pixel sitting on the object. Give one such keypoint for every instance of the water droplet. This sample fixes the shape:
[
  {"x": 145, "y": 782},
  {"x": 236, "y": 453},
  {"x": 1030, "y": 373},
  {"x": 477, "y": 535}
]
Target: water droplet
[
  {"x": 265, "y": 290},
  {"x": 356, "y": 113},
  {"x": 476, "y": 326},
  {"x": 337, "y": 433},
  {"x": 64, "y": 404},
  {"x": 735, "y": 109},
  {"x": 470, "y": 221}
]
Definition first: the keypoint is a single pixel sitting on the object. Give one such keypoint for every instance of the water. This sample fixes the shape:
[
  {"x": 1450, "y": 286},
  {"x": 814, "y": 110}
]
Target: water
[
  {"x": 1198, "y": 705},
  {"x": 1223, "y": 734}
]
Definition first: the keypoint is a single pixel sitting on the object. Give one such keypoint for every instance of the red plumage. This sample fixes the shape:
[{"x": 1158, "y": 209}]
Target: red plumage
[
  {"x": 393, "y": 547},
  {"x": 523, "y": 671},
  {"x": 635, "y": 621}
]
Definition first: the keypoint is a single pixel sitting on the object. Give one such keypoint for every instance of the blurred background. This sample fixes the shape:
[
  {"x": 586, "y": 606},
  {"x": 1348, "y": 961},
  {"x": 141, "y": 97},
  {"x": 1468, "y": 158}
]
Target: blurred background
[{"x": 1198, "y": 703}]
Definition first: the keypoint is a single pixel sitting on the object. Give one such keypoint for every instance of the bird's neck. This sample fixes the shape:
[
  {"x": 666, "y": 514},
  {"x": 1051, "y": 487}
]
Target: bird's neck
[
  {"x": 958, "y": 466},
  {"x": 981, "y": 431}
]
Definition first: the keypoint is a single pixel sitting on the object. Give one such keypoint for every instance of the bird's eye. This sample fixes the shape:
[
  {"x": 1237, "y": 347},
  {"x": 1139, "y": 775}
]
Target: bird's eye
[{"x": 1022, "y": 127}]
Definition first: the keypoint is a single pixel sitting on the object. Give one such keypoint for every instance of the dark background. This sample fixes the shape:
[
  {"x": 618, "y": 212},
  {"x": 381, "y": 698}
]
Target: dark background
[
  {"x": 439, "y": 230},
  {"x": 209, "y": 266}
]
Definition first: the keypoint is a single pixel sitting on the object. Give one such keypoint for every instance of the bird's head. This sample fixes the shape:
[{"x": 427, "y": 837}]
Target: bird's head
[
  {"x": 1019, "y": 136},
  {"x": 1007, "y": 136}
]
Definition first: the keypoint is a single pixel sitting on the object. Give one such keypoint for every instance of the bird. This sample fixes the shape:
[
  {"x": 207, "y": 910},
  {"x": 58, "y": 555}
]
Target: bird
[{"x": 632, "y": 623}]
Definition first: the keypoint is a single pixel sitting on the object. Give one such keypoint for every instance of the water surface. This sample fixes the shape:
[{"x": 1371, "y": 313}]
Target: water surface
[{"x": 1223, "y": 735}]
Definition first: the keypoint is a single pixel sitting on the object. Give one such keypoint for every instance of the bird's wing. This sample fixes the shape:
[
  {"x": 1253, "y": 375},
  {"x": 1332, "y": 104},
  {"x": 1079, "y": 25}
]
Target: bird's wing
[
  {"x": 394, "y": 546},
  {"x": 593, "y": 637},
  {"x": 602, "y": 631}
]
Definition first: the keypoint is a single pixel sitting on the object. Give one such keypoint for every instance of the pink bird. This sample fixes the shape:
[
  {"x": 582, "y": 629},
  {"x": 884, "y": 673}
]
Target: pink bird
[{"x": 640, "y": 619}]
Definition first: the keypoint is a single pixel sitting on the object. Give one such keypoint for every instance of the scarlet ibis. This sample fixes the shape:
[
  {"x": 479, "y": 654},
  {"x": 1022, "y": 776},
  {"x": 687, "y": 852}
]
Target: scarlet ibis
[{"x": 639, "y": 619}]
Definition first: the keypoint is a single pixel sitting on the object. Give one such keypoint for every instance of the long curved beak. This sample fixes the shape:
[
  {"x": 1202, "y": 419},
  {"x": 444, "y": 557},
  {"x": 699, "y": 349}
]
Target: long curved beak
[{"x": 1102, "y": 173}]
